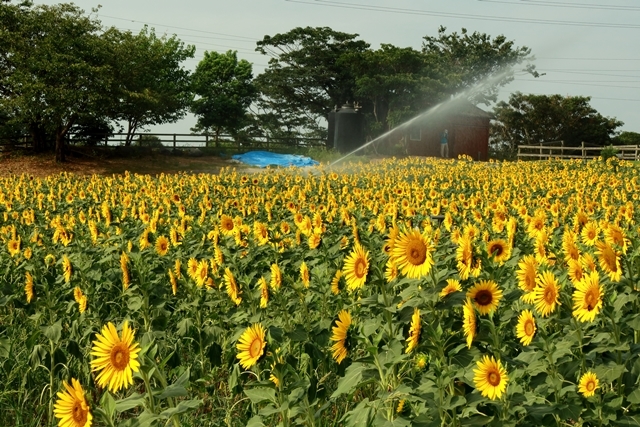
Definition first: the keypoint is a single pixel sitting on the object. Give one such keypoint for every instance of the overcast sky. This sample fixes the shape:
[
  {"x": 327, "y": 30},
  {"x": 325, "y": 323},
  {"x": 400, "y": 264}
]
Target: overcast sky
[{"x": 585, "y": 47}]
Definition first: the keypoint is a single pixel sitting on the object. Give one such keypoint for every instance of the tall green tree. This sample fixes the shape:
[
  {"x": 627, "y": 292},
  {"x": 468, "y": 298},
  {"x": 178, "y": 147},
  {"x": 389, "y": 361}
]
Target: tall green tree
[
  {"x": 58, "y": 71},
  {"x": 151, "y": 86},
  {"x": 308, "y": 70},
  {"x": 531, "y": 119},
  {"x": 223, "y": 86},
  {"x": 474, "y": 62}
]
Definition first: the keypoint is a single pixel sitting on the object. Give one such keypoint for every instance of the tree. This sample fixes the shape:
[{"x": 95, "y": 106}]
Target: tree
[
  {"x": 626, "y": 138},
  {"x": 392, "y": 85},
  {"x": 475, "y": 63},
  {"x": 151, "y": 86},
  {"x": 224, "y": 90},
  {"x": 307, "y": 70},
  {"x": 58, "y": 69},
  {"x": 531, "y": 119}
]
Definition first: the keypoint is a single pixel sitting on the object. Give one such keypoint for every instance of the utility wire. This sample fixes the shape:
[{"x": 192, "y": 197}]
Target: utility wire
[
  {"x": 360, "y": 6},
  {"x": 565, "y": 5}
]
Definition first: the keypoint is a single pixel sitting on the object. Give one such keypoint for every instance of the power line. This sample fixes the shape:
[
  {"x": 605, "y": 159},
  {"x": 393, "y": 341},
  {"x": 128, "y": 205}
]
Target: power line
[
  {"x": 565, "y": 5},
  {"x": 566, "y": 82},
  {"x": 181, "y": 28},
  {"x": 359, "y": 6}
]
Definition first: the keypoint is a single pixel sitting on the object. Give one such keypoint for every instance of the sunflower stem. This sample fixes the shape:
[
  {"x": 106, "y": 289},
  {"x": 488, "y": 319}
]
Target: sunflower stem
[
  {"x": 51, "y": 378},
  {"x": 149, "y": 392}
]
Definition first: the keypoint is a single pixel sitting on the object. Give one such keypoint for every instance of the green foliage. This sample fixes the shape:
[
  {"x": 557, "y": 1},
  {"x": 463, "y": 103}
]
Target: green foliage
[
  {"x": 531, "y": 119},
  {"x": 151, "y": 87},
  {"x": 224, "y": 90},
  {"x": 626, "y": 138}
]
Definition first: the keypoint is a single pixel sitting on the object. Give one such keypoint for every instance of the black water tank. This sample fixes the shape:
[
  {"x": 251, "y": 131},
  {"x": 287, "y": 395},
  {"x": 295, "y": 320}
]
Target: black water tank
[
  {"x": 349, "y": 129},
  {"x": 331, "y": 128}
]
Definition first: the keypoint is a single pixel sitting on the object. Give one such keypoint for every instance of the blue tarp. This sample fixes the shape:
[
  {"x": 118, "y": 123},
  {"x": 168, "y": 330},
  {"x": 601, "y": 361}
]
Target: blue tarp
[{"x": 264, "y": 158}]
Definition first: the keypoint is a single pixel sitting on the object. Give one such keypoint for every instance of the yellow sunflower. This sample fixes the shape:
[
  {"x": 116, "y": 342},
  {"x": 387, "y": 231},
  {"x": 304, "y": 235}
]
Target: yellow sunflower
[
  {"x": 276, "y": 277},
  {"x": 526, "y": 328},
  {"x": 66, "y": 268},
  {"x": 499, "y": 250},
  {"x": 391, "y": 270},
  {"x": 192, "y": 268},
  {"x": 177, "y": 268},
  {"x": 575, "y": 270},
  {"x": 71, "y": 408},
  {"x": 485, "y": 296},
  {"x": 590, "y": 233},
  {"x": 174, "y": 282},
  {"x": 340, "y": 347},
  {"x": 490, "y": 377},
  {"x": 28, "y": 287},
  {"x": 588, "y": 384},
  {"x": 232, "y": 286},
  {"x": 13, "y": 247},
  {"x": 202, "y": 273},
  {"x": 546, "y": 294},
  {"x": 452, "y": 286},
  {"x": 251, "y": 345},
  {"x": 264, "y": 292},
  {"x": 115, "y": 357},
  {"x": 162, "y": 245},
  {"x": 468, "y": 322},
  {"x": 335, "y": 282},
  {"x": 226, "y": 225},
  {"x": 356, "y": 267},
  {"x": 412, "y": 253},
  {"x": 304, "y": 274},
  {"x": 414, "y": 331},
  {"x": 126, "y": 279},
  {"x": 587, "y": 298},
  {"x": 260, "y": 233},
  {"x": 609, "y": 261}
]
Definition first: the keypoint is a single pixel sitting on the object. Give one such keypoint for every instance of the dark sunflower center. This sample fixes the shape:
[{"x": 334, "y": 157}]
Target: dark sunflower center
[
  {"x": 256, "y": 347},
  {"x": 360, "y": 268},
  {"x": 528, "y": 328},
  {"x": 416, "y": 252},
  {"x": 591, "y": 385},
  {"x": 494, "y": 378},
  {"x": 549, "y": 295},
  {"x": 496, "y": 250},
  {"x": 589, "y": 300},
  {"x": 484, "y": 297},
  {"x": 120, "y": 356},
  {"x": 79, "y": 414}
]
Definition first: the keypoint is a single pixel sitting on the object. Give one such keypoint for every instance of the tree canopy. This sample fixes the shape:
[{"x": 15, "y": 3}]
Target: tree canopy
[
  {"x": 151, "y": 85},
  {"x": 531, "y": 119},
  {"x": 223, "y": 86}
]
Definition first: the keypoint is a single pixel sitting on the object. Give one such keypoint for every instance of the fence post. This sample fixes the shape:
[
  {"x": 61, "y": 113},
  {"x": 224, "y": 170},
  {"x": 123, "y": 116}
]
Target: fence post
[
  {"x": 519, "y": 151},
  {"x": 174, "y": 141},
  {"x": 583, "y": 150},
  {"x": 206, "y": 140},
  {"x": 267, "y": 142}
]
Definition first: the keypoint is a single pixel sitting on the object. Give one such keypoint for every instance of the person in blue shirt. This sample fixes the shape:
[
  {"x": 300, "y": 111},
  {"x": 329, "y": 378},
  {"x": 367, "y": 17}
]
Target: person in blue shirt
[{"x": 444, "y": 144}]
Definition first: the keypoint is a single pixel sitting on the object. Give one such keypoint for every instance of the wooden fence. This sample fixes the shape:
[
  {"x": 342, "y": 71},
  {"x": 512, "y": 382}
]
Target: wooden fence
[
  {"x": 179, "y": 141},
  {"x": 557, "y": 150}
]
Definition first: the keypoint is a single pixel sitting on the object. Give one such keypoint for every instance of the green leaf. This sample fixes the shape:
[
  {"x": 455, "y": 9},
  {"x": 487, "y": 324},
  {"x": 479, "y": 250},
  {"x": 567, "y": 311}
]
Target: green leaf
[
  {"x": 5, "y": 347},
  {"x": 177, "y": 389},
  {"x": 476, "y": 420},
  {"x": 610, "y": 371},
  {"x": 255, "y": 421},
  {"x": 183, "y": 406},
  {"x": 260, "y": 394},
  {"x": 108, "y": 404},
  {"x": 133, "y": 401},
  {"x": 233, "y": 378},
  {"x": 53, "y": 332},
  {"x": 634, "y": 396},
  {"x": 352, "y": 377},
  {"x": 360, "y": 416}
]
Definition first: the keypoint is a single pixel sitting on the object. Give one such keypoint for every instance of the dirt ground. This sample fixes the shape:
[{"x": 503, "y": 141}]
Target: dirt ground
[{"x": 40, "y": 165}]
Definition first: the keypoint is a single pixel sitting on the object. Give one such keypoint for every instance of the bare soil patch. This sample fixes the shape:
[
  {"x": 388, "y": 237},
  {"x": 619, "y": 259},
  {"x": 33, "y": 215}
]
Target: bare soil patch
[{"x": 41, "y": 165}]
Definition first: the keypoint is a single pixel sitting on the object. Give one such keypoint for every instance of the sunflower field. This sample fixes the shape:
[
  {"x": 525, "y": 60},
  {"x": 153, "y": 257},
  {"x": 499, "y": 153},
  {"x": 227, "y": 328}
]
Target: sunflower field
[{"x": 403, "y": 292}]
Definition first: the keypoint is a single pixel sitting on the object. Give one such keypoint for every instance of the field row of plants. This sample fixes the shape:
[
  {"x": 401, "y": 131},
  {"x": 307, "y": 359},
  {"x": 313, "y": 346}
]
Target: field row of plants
[{"x": 403, "y": 292}]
